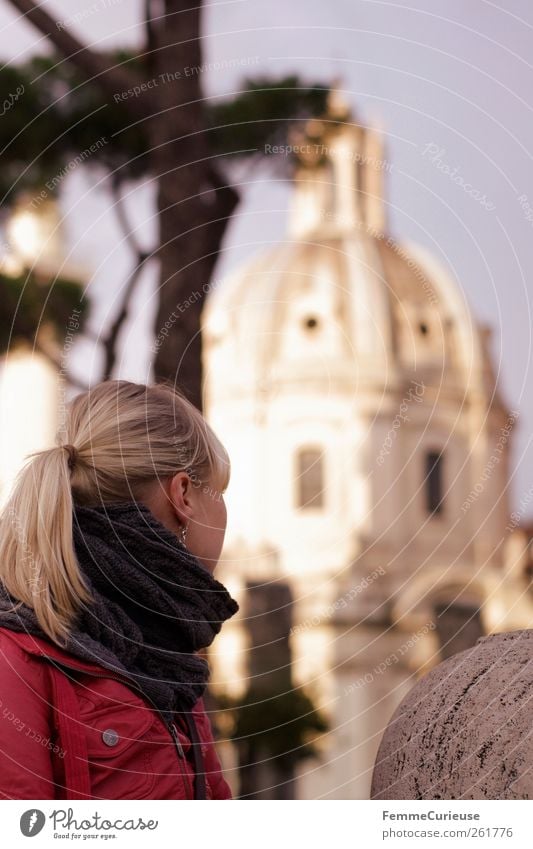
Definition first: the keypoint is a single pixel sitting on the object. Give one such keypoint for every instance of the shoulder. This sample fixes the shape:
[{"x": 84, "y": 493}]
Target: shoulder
[
  {"x": 13, "y": 646},
  {"x": 19, "y": 660},
  {"x": 26, "y": 693}
]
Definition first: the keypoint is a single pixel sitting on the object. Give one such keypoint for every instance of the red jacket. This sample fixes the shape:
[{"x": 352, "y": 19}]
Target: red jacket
[{"x": 83, "y": 733}]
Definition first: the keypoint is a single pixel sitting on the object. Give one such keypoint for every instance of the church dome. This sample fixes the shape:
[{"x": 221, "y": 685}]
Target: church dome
[{"x": 339, "y": 299}]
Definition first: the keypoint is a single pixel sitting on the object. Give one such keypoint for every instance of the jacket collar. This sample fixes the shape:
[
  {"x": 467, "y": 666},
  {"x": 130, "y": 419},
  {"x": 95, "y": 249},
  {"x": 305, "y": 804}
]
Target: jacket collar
[{"x": 40, "y": 647}]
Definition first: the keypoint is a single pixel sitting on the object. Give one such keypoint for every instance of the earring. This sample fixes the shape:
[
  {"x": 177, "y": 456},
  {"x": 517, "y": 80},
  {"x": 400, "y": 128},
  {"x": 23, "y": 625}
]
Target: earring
[{"x": 183, "y": 533}]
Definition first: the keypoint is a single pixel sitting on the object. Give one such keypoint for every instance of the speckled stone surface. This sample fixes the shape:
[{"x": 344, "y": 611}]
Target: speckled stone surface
[{"x": 465, "y": 731}]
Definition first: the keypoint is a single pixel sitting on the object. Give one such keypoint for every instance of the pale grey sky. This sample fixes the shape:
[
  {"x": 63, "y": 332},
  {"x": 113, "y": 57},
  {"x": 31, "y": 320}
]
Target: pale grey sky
[{"x": 451, "y": 74}]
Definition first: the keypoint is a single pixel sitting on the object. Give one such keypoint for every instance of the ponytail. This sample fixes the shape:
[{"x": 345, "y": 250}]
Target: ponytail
[{"x": 37, "y": 560}]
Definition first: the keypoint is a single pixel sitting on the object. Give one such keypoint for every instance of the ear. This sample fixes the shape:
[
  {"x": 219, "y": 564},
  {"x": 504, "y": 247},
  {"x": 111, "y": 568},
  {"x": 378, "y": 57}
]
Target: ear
[{"x": 181, "y": 495}]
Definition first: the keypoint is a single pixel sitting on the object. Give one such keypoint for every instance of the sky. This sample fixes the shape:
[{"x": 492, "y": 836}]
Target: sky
[{"x": 451, "y": 86}]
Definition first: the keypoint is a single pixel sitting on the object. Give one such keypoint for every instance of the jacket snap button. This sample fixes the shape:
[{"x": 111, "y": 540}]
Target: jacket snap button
[{"x": 110, "y": 737}]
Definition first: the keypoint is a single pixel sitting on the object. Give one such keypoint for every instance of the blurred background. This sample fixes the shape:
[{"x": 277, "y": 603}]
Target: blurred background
[{"x": 316, "y": 220}]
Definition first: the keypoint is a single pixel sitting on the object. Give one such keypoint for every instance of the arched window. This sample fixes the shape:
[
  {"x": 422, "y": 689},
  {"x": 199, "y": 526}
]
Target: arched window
[
  {"x": 434, "y": 482},
  {"x": 458, "y": 626},
  {"x": 309, "y": 477}
]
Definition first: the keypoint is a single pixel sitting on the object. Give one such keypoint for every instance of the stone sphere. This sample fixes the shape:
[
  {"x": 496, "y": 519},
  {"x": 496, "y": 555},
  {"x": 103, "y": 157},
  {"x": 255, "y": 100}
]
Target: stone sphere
[{"x": 465, "y": 730}]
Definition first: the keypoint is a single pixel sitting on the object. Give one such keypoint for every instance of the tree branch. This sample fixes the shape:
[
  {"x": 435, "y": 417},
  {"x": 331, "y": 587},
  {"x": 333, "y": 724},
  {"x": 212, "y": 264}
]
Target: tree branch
[
  {"x": 110, "y": 341},
  {"x": 226, "y": 199},
  {"x": 151, "y": 24},
  {"x": 43, "y": 349},
  {"x": 93, "y": 65},
  {"x": 120, "y": 212}
]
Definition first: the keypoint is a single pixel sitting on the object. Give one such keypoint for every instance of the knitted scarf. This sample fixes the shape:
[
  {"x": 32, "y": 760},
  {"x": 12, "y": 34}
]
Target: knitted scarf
[{"x": 154, "y": 604}]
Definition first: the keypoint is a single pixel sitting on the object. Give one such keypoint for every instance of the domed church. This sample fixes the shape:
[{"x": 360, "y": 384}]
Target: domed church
[{"x": 368, "y": 515}]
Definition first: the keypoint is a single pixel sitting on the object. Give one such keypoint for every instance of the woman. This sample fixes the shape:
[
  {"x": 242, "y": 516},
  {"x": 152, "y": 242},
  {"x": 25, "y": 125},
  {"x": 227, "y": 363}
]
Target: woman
[{"x": 108, "y": 545}]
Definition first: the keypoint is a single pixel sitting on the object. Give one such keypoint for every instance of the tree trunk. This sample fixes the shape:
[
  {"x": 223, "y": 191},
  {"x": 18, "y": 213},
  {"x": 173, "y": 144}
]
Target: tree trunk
[{"x": 192, "y": 218}]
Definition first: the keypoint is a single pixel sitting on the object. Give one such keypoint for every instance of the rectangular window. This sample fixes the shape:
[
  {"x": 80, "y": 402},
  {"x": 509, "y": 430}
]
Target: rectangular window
[
  {"x": 309, "y": 478},
  {"x": 434, "y": 482}
]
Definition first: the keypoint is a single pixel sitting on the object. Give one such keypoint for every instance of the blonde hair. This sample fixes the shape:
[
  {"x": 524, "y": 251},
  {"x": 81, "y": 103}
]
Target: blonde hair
[{"x": 119, "y": 438}]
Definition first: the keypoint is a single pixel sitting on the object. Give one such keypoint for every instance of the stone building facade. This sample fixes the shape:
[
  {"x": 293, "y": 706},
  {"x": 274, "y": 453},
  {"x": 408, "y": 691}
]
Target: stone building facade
[{"x": 355, "y": 393}]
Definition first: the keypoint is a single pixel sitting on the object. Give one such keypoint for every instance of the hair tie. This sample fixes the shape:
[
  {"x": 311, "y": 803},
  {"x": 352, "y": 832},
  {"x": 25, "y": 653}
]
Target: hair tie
[{"x": 72, "y": 452}]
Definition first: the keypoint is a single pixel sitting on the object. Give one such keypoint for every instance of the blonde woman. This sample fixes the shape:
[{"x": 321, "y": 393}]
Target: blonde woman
[{"x": 108, "y": 545}]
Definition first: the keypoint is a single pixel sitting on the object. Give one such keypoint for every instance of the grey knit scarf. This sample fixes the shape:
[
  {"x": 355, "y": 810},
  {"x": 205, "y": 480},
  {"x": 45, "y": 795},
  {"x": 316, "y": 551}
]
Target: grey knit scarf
[{"x": 155, "y": 605}]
